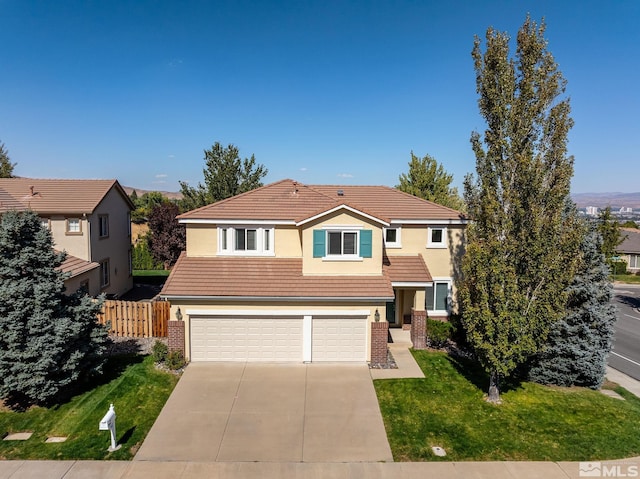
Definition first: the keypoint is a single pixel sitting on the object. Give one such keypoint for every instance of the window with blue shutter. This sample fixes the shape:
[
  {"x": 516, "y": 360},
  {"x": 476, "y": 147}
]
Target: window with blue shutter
[
  {"x": 366, "y": 243},
  {"x": 318, "y": 243}
]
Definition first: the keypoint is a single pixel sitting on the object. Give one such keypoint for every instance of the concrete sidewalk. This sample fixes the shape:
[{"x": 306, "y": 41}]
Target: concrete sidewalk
[{"x": 286, "y": 470}]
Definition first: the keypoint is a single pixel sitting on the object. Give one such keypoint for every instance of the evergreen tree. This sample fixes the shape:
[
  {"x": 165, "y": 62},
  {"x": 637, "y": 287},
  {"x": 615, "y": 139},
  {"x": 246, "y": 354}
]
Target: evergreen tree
[
  {"x": 6, "y": 167},
  {"x": 428, "y": 180},
  {"x": 225, "y": 175},
  {"x": 520, "y": 253},
  {"x": 578, "y": 345},
  {"x": 166, "y": 238},
  {"x": 48, "y": 341}
]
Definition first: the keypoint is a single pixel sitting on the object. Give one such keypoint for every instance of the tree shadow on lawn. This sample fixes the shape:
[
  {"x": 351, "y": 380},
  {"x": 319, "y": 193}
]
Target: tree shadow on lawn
[{"x": 473, "y": 372}]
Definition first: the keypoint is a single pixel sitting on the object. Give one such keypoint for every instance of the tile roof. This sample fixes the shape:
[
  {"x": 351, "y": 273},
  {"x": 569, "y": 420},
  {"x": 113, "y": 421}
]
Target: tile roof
[
  {"x": 288, "y": 200},
  {"x": 631, "y": 242},
  {"x": 266, "y": 278},
  {"x": 407, "y": 269},
  {"x": 76, "y": 266},
  {"x": 51, "y": 196}
]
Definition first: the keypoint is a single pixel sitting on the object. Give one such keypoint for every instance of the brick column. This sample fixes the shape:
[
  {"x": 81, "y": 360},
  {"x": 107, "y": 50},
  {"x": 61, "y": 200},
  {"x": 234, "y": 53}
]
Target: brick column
[
  {"x": 176, "y": 336},
  {"x": 419, "y": 329},
  {"x": 379, "y": 336}
]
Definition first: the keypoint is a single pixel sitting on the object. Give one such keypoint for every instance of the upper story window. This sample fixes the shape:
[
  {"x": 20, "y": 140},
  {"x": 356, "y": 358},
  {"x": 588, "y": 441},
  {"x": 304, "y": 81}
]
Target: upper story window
[
  {"x": 74, "y": 227},
  {"x": 392, "y": 237},
  {"x": 104, "y": 226},
  {"x": 245, "y": 240},
  {"x": 45, "y": 223},
  {"x": 437, "y": 237},
  {"x": 342, "y": 243}
]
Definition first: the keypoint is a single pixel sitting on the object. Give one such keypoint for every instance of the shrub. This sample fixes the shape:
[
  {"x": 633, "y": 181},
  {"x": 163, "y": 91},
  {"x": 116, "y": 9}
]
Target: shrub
[
  {"x": 438, "y": 332},
  {"x": 175, "y": 360},
  {"x": 159, "y": 352},
  {"x": 619, "y": 267}
]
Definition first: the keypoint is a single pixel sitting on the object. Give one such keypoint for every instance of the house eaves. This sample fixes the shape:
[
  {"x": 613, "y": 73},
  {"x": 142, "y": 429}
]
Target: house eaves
[{"x": 346, "y": 207}]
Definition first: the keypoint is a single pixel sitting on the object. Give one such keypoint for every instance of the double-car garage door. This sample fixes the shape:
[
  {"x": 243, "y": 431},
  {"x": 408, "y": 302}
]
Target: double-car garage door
[{"x": 264, "y": 338}]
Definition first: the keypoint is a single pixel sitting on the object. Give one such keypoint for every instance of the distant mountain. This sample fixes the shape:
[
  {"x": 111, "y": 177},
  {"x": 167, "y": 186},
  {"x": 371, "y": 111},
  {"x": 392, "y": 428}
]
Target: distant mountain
[
  {"x": 602, "y": 200},
  {"x": 172, "y": 195}
]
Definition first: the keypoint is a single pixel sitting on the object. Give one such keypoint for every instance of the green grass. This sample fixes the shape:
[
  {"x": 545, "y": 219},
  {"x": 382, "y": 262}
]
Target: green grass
[
  {"x": 145, "y": 273},
  {"x": 138, "y": 392},
  {"x": 627, "y": 278},
  {"x": 534, "y": 423}
]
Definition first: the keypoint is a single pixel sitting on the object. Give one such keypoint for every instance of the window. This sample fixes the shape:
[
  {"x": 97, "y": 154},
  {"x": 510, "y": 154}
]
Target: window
[
  {"x": 74, "y": 226},
  {"x": 129, "y": 223},
  {"x": 347, "y": 243},
  {"x": 84, "y": 287},
  {"x": 437, "y": 237},
  {"x": 438, "y": 297},
  {"x": 392, "y": 237},
  {"x": 44, "y": 222},
  {"x": 104, "y": 273},
  {"x": 104, "y": 225},
  {"x": 634, "y": 261},
  {"x": 130, "y": 259},
  {"x": 245, "y": 240}
]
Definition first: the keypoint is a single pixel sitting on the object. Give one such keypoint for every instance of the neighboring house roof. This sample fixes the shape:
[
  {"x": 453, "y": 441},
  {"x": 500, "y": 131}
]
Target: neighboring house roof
[
  {"x": 407, "y": 269},
  {"x": 51, "y": 196},
  {"x": 631, "y": 242},
  {"x": 75, "y": 266},
  {"x": 267, "y": 278},
  {"x": 289, "y": 200}
]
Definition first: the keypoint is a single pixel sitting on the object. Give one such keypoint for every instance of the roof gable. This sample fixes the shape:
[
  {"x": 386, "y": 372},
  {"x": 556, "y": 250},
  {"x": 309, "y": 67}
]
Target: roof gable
[
  {"x": 289, "y": 200},
  {"x": 53, "y": 196}
]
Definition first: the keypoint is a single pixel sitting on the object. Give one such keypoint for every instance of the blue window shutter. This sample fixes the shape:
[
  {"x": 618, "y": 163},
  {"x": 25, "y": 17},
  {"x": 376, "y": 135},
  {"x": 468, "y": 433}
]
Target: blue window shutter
[
  {"x": 365, "y": 243},
  {"x": 318, "y": 243}
]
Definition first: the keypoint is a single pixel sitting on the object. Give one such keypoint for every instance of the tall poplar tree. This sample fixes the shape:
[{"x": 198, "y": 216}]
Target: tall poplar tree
[
  {"x": 6, "y": 167},
  {"x": 520, "y": 255},
  {"x": 49, "y": 341}
]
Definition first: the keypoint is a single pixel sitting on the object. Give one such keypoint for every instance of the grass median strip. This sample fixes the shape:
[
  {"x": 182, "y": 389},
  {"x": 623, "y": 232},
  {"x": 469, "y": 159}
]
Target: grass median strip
[
  {"x": 138, "y": 392},
  {"x": 534, "y": 423}
]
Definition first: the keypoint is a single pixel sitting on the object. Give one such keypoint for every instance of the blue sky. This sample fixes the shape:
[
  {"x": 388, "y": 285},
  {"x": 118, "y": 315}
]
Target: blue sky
[{"x": 320, "y": 91}]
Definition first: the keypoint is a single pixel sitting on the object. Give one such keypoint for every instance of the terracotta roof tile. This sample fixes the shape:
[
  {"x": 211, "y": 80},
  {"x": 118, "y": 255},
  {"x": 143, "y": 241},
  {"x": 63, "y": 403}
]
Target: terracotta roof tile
[
  {"x": 76, "y": 266},
  {"x": 268, "y": 278},
  {"x": 288, "y": 200},
  {"x": 407, "y": 269},
  {"x": 50, "y": 196}
]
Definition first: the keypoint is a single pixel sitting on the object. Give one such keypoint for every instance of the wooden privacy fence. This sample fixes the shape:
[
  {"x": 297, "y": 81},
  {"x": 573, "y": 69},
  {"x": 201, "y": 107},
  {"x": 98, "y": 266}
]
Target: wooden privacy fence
[{"x": 136, "y": 319}]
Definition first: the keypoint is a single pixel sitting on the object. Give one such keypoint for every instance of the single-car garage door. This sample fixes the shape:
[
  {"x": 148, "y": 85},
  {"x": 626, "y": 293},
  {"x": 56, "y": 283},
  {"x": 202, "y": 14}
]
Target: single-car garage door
[
  {"x": 339, "y": 339},
  {"x": 246, "y": 339}
]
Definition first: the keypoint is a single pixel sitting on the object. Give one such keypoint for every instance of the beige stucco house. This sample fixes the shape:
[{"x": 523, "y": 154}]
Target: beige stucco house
[
  {"x": 294, "y": 272},
  {"x": 629, "y": 249},
  {"x": 89, "y": 219}
]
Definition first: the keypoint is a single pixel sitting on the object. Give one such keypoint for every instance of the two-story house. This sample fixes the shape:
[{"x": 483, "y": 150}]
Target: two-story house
[
  {"x": 89, "y": 219},
  {"x": 293, "y": 272}
]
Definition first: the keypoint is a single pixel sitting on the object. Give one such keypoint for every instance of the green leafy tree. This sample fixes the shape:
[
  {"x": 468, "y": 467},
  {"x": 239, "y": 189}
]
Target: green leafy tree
[
  {"x": 575, "y": 353},
  {"x": 225, "y": 175},
  {"x": 609, "y": 229},
  {"x": 141, "y": 256},
  {"x": 428, "y": 180},
  {"x": 629, "y": 224},
  {"x": 6, "y": 167},
  {"x": 49, "y": 341},
  {"x": 144, "y": 205},
  {"x": 521, "y": 249},
  {"x": 166, "y": 237}
]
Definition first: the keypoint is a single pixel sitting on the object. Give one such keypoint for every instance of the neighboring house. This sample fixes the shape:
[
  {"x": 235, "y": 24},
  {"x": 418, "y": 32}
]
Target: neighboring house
[
  {"x": 293, "y": 272},
  {"x": 629, "y": 249},
  {"x": 89, "y": 219}
]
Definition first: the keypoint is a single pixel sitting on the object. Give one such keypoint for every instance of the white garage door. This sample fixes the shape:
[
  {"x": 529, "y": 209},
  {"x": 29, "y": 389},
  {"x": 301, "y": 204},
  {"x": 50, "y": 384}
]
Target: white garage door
[
  {"x": 246, "y": 339},
  {"x": 339, "y": 339}
]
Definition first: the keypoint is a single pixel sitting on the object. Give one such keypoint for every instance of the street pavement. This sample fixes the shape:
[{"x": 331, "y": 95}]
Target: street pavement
[{"x": 625, "y": 356}]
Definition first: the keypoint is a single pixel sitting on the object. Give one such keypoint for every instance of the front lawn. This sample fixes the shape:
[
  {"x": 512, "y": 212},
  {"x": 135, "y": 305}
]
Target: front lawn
[
  {"x": 534, "y": 423},
  {"x": 627, "y": 278},
  {"x": 138, "y": 392}
]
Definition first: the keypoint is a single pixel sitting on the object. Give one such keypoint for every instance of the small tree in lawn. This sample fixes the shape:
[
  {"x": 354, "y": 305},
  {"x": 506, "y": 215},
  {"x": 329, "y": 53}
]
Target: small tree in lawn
[
  {"x": 521, "y": 248},
  {"x": 48, "y": 341},
  {"x": 578, "y": 344},
  {"x": 166, "y": 238},
  {"x": 428, "y": 180}
]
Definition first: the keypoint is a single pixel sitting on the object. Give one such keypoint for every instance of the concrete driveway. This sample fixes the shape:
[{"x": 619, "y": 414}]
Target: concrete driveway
[{"x": 230, "y": 412}]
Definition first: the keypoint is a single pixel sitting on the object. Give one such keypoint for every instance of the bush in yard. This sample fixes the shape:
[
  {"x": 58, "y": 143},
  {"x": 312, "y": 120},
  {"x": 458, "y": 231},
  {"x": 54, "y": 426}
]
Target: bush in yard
[
  {"x": 438, "y": 332},
  {"x": 159, "y": 352},
  {"x": 49, "y": 341},
  {"x": 175, "y": 360}
]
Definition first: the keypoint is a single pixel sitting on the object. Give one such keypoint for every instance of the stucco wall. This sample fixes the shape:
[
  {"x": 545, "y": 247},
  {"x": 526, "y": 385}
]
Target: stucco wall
[
  {"x": 93, "y": 277},
  {"x": 73, "y": 243}
]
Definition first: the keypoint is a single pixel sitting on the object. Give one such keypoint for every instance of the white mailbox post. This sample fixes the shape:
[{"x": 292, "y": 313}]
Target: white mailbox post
[{"x": 108, "y": 423}]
